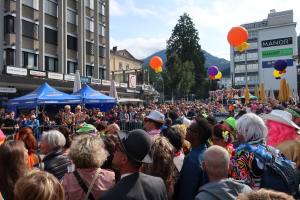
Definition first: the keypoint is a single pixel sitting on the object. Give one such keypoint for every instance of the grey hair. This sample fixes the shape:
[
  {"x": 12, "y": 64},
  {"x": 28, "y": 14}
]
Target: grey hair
[
  {"x": 252, "y": 128},
  {"x": 54, "y": 139},
  {"x": 88, "y": 151},
  {"x": 216, "y": 160}
]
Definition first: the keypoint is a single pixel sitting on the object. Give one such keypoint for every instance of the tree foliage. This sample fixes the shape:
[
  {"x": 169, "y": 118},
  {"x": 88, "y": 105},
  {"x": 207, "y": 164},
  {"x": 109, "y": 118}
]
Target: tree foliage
[{"x": 183, "y": 49}]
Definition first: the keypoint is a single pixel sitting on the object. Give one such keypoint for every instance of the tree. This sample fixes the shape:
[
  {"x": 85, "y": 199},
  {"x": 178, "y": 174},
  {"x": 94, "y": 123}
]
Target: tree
[{"x": 184, "y": 42}]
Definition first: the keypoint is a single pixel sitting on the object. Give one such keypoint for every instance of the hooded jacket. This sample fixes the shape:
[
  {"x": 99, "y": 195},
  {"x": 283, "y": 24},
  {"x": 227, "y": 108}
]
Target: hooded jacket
[{"x": 225, "y": 189}]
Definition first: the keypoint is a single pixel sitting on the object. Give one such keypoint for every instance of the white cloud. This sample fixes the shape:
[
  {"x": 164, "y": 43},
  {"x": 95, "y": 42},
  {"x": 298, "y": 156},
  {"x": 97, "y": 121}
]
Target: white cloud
[
  {"x": 126, "y": 7},
  {"x": 140, "y": 47},
  {"x": 115, "y": 8}
]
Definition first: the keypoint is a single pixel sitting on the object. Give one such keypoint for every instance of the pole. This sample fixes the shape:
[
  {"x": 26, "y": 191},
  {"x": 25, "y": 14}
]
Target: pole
[
  {"x": 246, "y": 68},
  {"x": 163, "y": 84}
]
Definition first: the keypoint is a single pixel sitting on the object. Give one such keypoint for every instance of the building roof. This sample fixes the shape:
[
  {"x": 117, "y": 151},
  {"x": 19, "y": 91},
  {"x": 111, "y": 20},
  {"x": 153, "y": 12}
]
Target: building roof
[{"x": 125, "y": 54}]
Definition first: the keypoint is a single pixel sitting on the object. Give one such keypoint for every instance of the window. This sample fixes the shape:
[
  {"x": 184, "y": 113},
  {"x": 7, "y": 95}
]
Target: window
[
  {"x": 89, "y": 48},
  {"x": 32, "y": 3},
  {"x": 101, "y": 51},
  {"x": 89, "y": 3},
  {"x": 9, "y": 57},
  {"x": 50, "y": 7},
  {"x": 72, "y": 43},
  {"x": 89, "y": 70},
  {"x": 9, "y": 24},
  {"x": 51, "y": 64},
  {"x": 101, "y": 73},
  {"x": 50, "y": 36},
  {"x": 127, "y": 66},
  {"x": 71, "y": 17},
  {"x": 29, "y": 60},
  {"x": 120, "y": 66},
  {"x": 101, "y": 30},
  {"x": 72, "y": 67},
  {"x": 30, "y": 30},
  {"x": 89, "y": 25},
  {"x": 101, "y": 9}
]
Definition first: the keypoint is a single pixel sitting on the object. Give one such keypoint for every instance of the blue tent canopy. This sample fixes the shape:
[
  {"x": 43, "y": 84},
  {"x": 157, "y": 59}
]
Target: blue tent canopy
[
  {"x": 44, "y": 94},
  {"x": 93, "y": 98}
]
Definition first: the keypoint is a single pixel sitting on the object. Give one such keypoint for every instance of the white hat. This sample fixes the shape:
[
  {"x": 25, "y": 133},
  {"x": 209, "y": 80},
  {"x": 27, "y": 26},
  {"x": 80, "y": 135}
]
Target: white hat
[
  {"x": 156, "y": 116},
  {"x": 186, "y": 121},
  {"x": 281, "y": 116}
]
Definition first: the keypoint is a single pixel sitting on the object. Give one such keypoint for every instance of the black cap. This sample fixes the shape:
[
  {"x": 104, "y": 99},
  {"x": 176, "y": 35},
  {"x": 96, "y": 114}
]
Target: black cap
[{"x": 136, "y": 144}]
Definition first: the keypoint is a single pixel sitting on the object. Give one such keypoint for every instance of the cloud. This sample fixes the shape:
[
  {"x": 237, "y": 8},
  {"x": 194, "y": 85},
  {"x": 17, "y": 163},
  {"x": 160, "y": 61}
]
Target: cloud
[
  {"x": 128, "y": 7},
  {"x": 115, "y": 8},
  {"x": 140, "y": 47}
]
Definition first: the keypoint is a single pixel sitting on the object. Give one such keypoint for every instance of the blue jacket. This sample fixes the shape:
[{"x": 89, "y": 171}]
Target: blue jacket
[{"x": 192, "y": 176}]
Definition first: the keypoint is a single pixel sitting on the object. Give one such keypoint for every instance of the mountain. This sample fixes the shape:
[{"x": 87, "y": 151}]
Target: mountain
[{"x": 210, "y": 60}]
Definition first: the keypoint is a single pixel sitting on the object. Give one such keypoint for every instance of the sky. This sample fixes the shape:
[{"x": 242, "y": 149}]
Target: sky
[{"x": 143, "y": 26}]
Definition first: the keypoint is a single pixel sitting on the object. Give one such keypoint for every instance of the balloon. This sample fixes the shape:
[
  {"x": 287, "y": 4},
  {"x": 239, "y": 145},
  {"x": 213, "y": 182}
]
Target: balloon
[
  {"x": 242, "y": 47},
  {"x": 237, "y": 35},
  {"x": 276, "y": 74},
  {"x": 218, "y": 76},
  {"x": 158, "y": 70},
  {"x": 280, "y": 65},
  {"x": 156, "y": 62},
  {"x": 213, "y": 70},
  {"x": 212, "y": 77}
]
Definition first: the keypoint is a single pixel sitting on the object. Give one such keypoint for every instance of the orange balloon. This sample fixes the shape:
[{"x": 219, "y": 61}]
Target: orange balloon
[
  {"x": 156, "y": 62},
  {"x": 237, "y": 35}
]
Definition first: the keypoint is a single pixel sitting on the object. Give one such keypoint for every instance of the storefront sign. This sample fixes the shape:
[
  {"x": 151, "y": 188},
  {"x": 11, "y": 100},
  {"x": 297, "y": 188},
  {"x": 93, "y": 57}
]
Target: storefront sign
[
  {"x": 55, "y": 76},
  {"x": 117, "y": 84},
  {"x": 277, "y": 42},
  {"x": 277, "y": 53},
  {"x": 16, "y": 71},
  {"x": 123, "y": 85},
  {"x": 105, "y": 82},
  {"x": 84, "y": 79},
  {"x": 96, "y": 81},
  {"x": 7, "y": 90},
  {"x": 68, "y": 77},
  {"x": 131, "y": 81},
  {"x": 37, "y": 73},
  {"x": 270, "y": 64}
]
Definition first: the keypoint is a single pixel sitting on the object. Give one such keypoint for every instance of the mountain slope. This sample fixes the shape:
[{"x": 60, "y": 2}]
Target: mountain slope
[{"x": 210, "y": 60}]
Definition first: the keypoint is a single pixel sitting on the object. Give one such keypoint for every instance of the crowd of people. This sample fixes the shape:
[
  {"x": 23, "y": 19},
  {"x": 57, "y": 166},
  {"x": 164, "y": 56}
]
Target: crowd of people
[{"x": 179, "y": 151}]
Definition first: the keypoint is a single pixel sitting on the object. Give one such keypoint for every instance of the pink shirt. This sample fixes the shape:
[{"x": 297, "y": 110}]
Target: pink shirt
[
  {"x": 154, "y": 133},
  {"x": 73, "y": 191}
]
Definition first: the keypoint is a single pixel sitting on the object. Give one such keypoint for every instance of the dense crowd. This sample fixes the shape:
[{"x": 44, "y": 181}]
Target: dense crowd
[{"x": 185, "y": 150}]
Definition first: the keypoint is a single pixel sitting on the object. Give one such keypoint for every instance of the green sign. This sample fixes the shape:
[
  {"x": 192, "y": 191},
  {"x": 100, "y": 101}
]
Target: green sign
[{"x": 277, "y": 53}]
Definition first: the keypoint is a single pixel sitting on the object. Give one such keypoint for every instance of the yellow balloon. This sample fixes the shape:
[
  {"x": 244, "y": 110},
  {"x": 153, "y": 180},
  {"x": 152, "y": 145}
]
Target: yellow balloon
[
  {"x": 158, "y": 70},
  {"x": 276, "y": 74},
  {"x": 242, "y": 47},
  {"x": 218, "y": 76}
]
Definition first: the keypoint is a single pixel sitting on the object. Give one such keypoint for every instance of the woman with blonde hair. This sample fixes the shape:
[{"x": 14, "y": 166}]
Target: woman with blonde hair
[
  {"x": 38, "y": 185},
  {"x": 88, "y": 181}
]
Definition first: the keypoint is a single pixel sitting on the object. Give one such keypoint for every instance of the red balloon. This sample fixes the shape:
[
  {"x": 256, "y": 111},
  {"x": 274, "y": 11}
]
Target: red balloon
[
  {"x": 212, "y": 77},
  {"x": 156, "y": 62},
  {"x": 237, "y": 35}
]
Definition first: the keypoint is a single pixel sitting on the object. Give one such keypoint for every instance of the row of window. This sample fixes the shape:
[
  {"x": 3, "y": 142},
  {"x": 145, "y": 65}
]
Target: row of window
[
  {"x": 250, "y": 56},
  {"x": 30, "y": 61},
  {"x": 250, "y": 67},
  {"x": 121, "y": 67}
]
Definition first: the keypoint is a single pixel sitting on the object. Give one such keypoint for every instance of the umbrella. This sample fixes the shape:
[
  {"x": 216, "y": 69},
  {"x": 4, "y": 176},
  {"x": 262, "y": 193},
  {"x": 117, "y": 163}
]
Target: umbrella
[
  {"x": 289, "y": 93},
  {"x": 256, "y": 91},
  {"x": 272, "y": 94},
  {"x": 283, "y": 93},
  {"x": 77, "y": 82},
  {"x": 246, "y": 94},
  {"x": 113, "y": 90},
  {"x": 262, "y": 95}
]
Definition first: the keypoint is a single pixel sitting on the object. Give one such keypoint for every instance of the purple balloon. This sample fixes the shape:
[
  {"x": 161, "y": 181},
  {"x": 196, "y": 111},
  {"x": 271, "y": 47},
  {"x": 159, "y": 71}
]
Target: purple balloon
[
  {"x": 280, "y": 65},
  {"x": 213, "y": 70}
]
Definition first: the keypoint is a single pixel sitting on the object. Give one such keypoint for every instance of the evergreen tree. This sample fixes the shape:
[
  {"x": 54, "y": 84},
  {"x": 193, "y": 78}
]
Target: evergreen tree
[{"x": 184, "y": 42}]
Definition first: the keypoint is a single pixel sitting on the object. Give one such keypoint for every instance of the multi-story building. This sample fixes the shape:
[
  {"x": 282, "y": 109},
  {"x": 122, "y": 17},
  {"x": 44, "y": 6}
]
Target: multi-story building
[
  {"x": 271, "y": 39},
  {"x": 123, "y": 63},
  {"x": 51, "y": 39}
]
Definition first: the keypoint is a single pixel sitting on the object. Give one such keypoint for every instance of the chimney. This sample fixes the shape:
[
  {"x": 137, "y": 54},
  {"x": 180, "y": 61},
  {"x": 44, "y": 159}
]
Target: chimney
[
  {"x": 273, "y": 11},
  {"x": 115, "y": 48}
]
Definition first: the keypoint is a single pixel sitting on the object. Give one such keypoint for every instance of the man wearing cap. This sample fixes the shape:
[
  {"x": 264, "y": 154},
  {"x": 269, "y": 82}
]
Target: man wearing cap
[
  {"x": 153, "y": 122},
  {"x": 134, "y": 150}
]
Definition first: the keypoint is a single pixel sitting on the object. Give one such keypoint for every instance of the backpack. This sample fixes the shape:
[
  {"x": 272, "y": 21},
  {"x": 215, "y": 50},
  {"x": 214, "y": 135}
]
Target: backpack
[{"x": 279, "y": 173}]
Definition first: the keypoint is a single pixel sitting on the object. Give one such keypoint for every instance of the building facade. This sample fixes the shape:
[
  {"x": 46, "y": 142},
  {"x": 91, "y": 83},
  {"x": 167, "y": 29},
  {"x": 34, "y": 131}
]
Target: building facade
[
  {"x": 271, "y": 39},
  {"x": 51, "y": 39}
]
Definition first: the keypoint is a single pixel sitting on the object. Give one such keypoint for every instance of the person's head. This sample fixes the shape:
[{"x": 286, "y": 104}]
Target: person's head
[
  {"x": 78, "y": 108},
  {"x": 154, "y": 120},
  {"x": 13, "y": 165},
  {"x": 112, "y": 129},
  {"x": 101, "y": 126},
  {"x": 11, "y": 115},
  {"x": 133, "y": 149},
  {"x": 265, "y": 194},
  {"x": 88, "y": 151},
  {"x": 52, "y": 140},
  {"x": 251, "y": 128},
  {"x": 198, "y": 132},
  {"x": 67, "y": 134},
  {"x": 221, "y": 135},
  {"x": 87, "y": 129},
  {"x": 110, "y": 143},
  {"x": 216, "y": 163},
  {"x": 26, "y": 135},
  {"x": 38, "y": 185},
  {"x": 67, "y": 108},
  {"x": 174, "y": 137}
]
